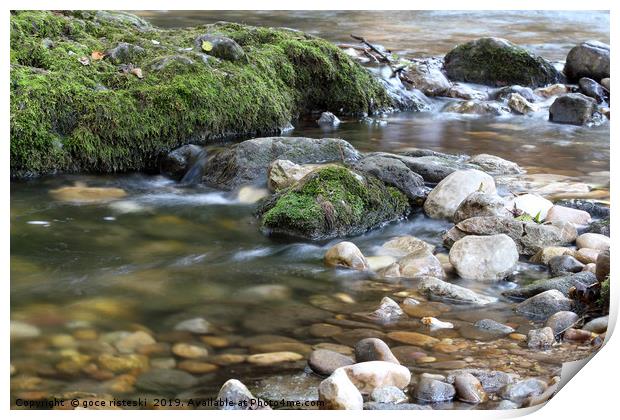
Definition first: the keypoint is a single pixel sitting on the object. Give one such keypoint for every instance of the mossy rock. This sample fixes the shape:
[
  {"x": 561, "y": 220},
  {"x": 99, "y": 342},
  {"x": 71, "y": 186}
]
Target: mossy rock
[
  {"x": 332, "y": 202},
  {"x": 72, "y": 111},
  {"x": 498, "y": 62}
]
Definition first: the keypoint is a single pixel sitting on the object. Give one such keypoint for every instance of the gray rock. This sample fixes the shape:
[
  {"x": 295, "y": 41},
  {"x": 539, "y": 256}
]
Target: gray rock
[
  {"x": 428, "y": 389},
  {"x": 599, "y": 226},
  {"x": 561, "y": 321},
  {"x": 469, "y": 389},
  {"x": 372, "y": 405},
  {"x": 564, "y": 264},
  {"x": 238, "y": 397},
  {"x": 325, "y": 362},
  {"x": 540, "y": 338},
  {"x": 594, "y": 208},
  {"x": 426, "y": 75},
  {"x": 597, "y": 325},
  {"x": 176, "y": 163},
  {"x": 507, "y": 405},
  {"x": 387, "y": 312},
  {"x": 328, "y": 119},
  {"x": 572, "y": 108},
  {"x": 165, "y": 380},
  {"x": 588, "y": 59},
  {"x": 491, "y": 380},
  {"x": 484, "y": 257},
  {"x": 504, "y": 93},
  {"x": 388, "y": 394},
  {"x": 479, "y": 204},
  {"x": 495, "y": 165},
  {"x": 395, "y": 173},
  {"x": 437, "y": 289},
  {"x": 247, "y": 162},
  {"x": 476, "y": 107},
  {"x": 561, "y": 283},
  {"x": 493, "y": 326},
  {"x": 544, "y": 305},
  {"x": 421, "y": 263},
  {"x": 498, "y": 62},
  {"x": 519, "y": 391},
  {"x": 194, "y": 325},
  {"x": 431, "y": 167},
  {"x": 220, "y": 47},
  {"x": 122, "y": 18},
  {"x": 370, "y": 349},
  {"x": 462, "y": 91},
  {"x": 592, "y": 89},
  {"x": 125, "y": 53}
]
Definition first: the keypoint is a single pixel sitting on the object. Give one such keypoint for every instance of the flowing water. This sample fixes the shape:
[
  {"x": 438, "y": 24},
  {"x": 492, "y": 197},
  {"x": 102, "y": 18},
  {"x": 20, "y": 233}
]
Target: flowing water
[{"x": 166, "y": 253}]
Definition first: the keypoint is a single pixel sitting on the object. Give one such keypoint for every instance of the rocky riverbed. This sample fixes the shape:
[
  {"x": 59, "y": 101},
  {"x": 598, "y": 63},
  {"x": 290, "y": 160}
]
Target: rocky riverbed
[{"x": 300, "y": 269}]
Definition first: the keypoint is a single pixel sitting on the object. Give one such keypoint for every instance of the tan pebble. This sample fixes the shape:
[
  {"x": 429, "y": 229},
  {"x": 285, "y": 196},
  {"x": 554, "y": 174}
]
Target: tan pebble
[
  {"x": 62, "y": 341},
  {"x": 426, "y": 359},
  {"x": 577, "y": 335},
  {"x": 338, "y": 348},
  {"x": 324, "y": 330},
  {"x": 85, "y": 334},
  {"x": 413, "y": 338},
  {"x": 189, "y": 351},
  {"x": 344, "y": 298},
  {"x": 153, "y": 349},
  {"x": 195, "y": 367},
  {"x": 123, "y": 363},
  {"x": 275, "y": 357},
  {"x": 130, "y": 342},
  {"x": 217, "y": 342},
  {"x": 227, "y": 359},
  {"x": 518, "y": 337}
]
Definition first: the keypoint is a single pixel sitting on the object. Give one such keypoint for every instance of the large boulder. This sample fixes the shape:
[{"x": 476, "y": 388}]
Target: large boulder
[
  {"x": 484, "y": 257},
  {"x": 481, "y": 204},
  {"x": 530, "y": 237},
  {"x": 330, "y": 202},
  {"x": 588, "y": 59},
  {"x": 572, "y": 108},
  {"x": 498, "y": 62},
  {"x": 248, "y": 161},
  {"x": 432, "y": 167},
  {"x": 445, "y": 198},
  {"x": 395, "y": 173}
]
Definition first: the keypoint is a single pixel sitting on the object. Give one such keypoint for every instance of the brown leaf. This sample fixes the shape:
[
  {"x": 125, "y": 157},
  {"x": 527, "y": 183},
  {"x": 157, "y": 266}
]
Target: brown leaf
[
  {"x": 97, "y": 55},
  {"x": 137, "y": 71},
  {"x": 84, "y": 60}
]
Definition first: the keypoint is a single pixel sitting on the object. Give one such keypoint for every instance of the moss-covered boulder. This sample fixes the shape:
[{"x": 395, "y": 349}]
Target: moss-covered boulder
[
  {"x": 106, "y": 91},
  {"x": 330, "y": 202},
  {"x": 498, "y": 62}
]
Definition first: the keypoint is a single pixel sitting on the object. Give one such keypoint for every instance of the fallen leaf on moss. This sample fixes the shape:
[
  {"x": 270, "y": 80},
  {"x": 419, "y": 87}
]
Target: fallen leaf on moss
[
  {"x": 207, "y": 46},
  {"x": 84, "y": 60},
  {"x": 137, "y": 71},
  {"x": 97, "y": 55}
]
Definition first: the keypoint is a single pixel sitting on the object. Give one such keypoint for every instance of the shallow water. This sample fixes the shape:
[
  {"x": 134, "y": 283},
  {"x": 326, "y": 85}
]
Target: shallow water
[{"x": 165, "y": 253}]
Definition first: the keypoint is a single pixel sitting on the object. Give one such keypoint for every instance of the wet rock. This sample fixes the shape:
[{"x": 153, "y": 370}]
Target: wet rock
[
  {"x": 572, "y": 108},
  {"x": 484, "y": 257},
  {"x": 421, "y": 263},
  {"x": 586, "y": 255},
  {"x": 520, "y": 105},
  {"x": 544, "y": 304},
  {"x": 162, "y": 380},
  {"x": 494, "y": 327},
  {"x": 593, "y": 241},
  {"x": 591, "y": 207},
  {"x": 469, "y": 389},
  {"x": 367, "y": 376},
  {"x": 532, "y": 204},
  {"x": 430, "y": 389},
  {"x": 23, "y": 330},
  {"x": 391, "y": 271},
  {"x": 491, "y": 380},
  {"x": 605, "y": 83},
  {"x": 176, "y": 163},
  {"x": 274, "y": 358},
  {"x": 435, "y": 324},
  {"x": 395, "y": 173},
  {"x": 196, "y": 367},
  {"x": 194, "y": 325},
  {"x": 130, "y": 343},
  {"x": 567, "y": 214},
  {"x": 561, "y": 283},
  {"x": 588, "y": 59},
  {"x": 324, "y": 330},
  {"x": 592, "y": 89},
  {"x": 239, "y": 397},
  {"x": 495, "y": 165},
  {"x": 388, "y": 311},
  {"x": 476, "y": 107},
  {"x": 339, "y": 393},
  {"x": 602, "y": 266},
  {"x": 82, "y": 194},
  {"x": 552, "y": 90},
  {"x": 561, "y": 321},
  {"x": 540, "y": 338},
  {"x": 427, "y": 76},
  {"x": 388, "y": 394},
  {"x": 372, "y": 405},
  {"x": 371, "y": 349},
  {"x": 572, "y": 334},
  {"x": 564, "y": 264},
  {"x": 546, "y": 254},
  {"x": 599, "y": 226},
  {"x": 346, "y": 254},
  {"x": 351, "y": 337},
  {"x": 220, "y": 47},
  {"x": 437, "y": 289},
  {"x": 407, "y": 244},
  {"x": 413, "y": 338},
  {"x": 530, "y": 237},
  {"x": 247, "y": 162},
  {"x": 325, "y": 362},
  {"x": 524, "y": 92},
  {"x": 597, "y": 325},
  {"x": 461, "y": 91},
  {"x": 521, "y": 390},
  {"x": 498, "y": 62},
  {"x": 432, "y": 167},
  {"x": 481, "y": 204},
  {"x": 250, "y": 194},
  {"x": 124, "y": 53},
  {"x": 264, "y": 293},
  {"x": 122, "y": 363},
  {"x": 328, "y": 119},
  {"x": 445, "y": 198},
  {"x": 284, "y": 173},
  {"x": 189, "y": 351},
  {"x": 591, "y": 267},
  {"x": 379, "y": 262}
]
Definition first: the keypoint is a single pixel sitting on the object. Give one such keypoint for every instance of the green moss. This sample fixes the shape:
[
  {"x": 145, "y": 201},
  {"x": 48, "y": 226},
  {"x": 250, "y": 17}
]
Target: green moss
[
  {"x": 490, "y": 62},
  {"x": 334, "y": 201},
  {"x": 604, "y": 296},
  {"x": 66, "y": 116}
]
